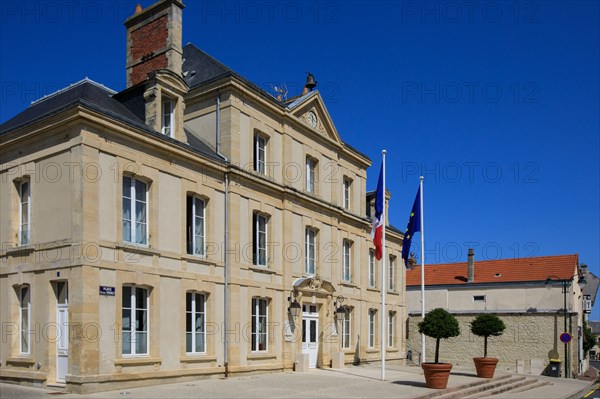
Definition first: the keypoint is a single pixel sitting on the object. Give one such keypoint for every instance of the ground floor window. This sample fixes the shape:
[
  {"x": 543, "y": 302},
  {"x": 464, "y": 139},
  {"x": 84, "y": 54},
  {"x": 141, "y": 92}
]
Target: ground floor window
[
  {"x": 346, "y": 329},
  {"x": 135, "y": 320},
  {"x": 195, "y": 322},
  {"x": 259, "y": 324},
  {"x": 24, "y": 321}
]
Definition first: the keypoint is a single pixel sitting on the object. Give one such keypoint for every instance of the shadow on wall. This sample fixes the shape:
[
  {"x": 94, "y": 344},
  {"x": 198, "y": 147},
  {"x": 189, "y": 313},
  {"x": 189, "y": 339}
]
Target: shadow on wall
[{"x": 356, "y": 361}]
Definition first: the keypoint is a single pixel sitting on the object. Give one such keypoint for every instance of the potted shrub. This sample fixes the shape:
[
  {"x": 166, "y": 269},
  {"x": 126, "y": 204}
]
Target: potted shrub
[
  {"x": 438, "y": 324},
  {"x": 486, "y": 325}
]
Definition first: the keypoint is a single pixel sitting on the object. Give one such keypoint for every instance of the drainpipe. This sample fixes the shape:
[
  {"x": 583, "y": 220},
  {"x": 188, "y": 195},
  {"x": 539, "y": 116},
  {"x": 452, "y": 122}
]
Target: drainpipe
[{"x": 226, "y": 279}]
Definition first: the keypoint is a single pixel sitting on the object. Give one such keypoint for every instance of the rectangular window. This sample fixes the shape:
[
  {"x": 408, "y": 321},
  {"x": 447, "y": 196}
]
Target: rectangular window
[
  {"x": 260, "y": 154},
  {"x": 195, "y": 323},
  {"x": 372, "y": 316},
  {"x": 346, "y": 193},
  {"x": 478, "y": 298},
  {"x": 311, "y": 250},
  {"x": 259, "y": 324},
  {"x": 135, "y": 320},
  {"x": 391, "y": 332},
  {"x": 311, "y": 165},
  {"x": 195, "y": 228},
  {"x": 24, "y": 321},
  {"x": 259, "y": 245},
  {"x": 372, "y": 282},
  {"x": 346, "y": 272},
  {"x": 135, "y": 211},
  {"x": 346, "y": 330},
  {"x": 392, "y": 273},
  {"x": 167, "y": 117},
  {"x": 25, "y": 212}
]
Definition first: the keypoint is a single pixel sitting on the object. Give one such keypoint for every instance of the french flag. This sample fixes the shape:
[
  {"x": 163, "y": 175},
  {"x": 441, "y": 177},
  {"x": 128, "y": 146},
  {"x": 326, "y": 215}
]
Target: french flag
[{"x": 377, "y": 230}]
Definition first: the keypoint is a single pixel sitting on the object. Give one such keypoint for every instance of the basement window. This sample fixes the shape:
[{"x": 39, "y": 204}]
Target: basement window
[{"x": 478, "y": 298}]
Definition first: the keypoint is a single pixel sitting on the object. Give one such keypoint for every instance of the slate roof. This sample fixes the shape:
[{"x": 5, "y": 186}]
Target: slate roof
[
  {"x": 496, "y": 271},
  {"x": 86, "y": 92},
  {"x": 595, "y": 326}
]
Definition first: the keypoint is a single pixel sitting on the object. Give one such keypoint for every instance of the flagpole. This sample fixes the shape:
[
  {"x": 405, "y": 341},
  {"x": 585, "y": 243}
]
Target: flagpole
[
  {"x": 383, "y": 286},
  {"x": 422, "y": 268}
]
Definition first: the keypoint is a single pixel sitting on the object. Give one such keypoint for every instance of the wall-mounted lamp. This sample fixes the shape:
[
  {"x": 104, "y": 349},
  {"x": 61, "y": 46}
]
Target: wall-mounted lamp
[
  {"x": 294, "y": 308},
  {"x": 340, "y": 310}
]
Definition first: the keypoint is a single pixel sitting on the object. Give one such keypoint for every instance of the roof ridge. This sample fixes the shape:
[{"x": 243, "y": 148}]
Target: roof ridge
[
  {"x": 71, "y": 86},
  {"x": 524, "y": 258}
]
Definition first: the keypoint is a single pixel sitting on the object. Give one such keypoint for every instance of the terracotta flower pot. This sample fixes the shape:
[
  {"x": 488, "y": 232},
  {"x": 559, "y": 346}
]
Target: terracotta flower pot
[
  {"x": 436, "y": 374},
  {"x": 485, "y": 366}
]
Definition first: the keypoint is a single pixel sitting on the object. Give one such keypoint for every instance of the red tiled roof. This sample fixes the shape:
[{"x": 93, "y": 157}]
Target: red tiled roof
[{"x": 497, "y": 271}]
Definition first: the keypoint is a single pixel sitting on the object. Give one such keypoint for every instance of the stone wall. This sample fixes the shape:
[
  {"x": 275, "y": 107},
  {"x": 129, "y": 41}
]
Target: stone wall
[{"x": 527, "y": 345}]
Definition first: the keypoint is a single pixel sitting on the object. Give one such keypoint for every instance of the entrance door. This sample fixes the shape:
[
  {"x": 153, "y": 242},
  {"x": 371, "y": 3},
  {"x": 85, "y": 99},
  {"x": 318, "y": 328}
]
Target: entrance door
[
  {"x": 310, "y": 333},
  {"x": 62, "y": 321}
]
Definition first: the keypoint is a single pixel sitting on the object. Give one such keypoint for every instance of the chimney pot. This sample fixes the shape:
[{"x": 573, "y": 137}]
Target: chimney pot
[
  {"x": 138, "y": 8},
  {"x": 471, "y": 266}
]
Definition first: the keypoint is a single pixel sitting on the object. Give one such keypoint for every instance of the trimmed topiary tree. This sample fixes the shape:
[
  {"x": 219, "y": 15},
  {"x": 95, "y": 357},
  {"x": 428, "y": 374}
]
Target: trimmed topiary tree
[
  {"x": 487, "y": 325},
  {"x": 439, "y": 324}
]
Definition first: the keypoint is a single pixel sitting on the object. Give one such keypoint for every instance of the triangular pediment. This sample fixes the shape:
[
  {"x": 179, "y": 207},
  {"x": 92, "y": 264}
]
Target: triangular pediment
[{"x": 310, "y": 110}]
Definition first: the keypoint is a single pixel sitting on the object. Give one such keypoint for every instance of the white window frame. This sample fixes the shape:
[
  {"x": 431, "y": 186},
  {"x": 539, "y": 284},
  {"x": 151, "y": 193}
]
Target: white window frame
[
  {"x": 372, "y": 318},
  {"x": 347, "y": 261},
  {"x": 196, "y": 297},
  {"x": 196, "y": 236},
  {"x": 311, "y": 250},
  {"x": 391, "y": 273},
  {"x": 346, "y": 329},
  {"x": 311, "y": 166},
  {"x": 258, "y": 218},
  {"x": 24, "y": 329},
  {"x": 129, "y": 194},
  {"x": 372, "y": 276},
  {"x": 346, "y": 192},
  {"x": 256, "y": 318},
  {"x": 391, "y": 328},
  {"x": 260, "y": 148},
  {"x": 167, "y": 117},
  {"x": 133, "y": 328},
  {"x": 24, "y": 227}
]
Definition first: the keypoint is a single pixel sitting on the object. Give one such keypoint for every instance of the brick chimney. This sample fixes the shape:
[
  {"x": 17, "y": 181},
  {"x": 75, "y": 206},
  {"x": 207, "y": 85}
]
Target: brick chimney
[
  {"x": 154, "y": 40},
  {"x": 471, "y": 266}
]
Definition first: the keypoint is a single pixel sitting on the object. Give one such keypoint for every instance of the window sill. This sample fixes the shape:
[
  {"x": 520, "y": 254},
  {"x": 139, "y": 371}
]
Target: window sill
[
  {"x": 392, "y": 350},
  {"x": 393, "y": 292},
  {"x": 197, "y": 358},
  {"x": 20, "y": 250},
  {"x": 136, "y": 248},
  {"x": 137, "y": 361},
  {"x": 349, "y": 284},
  {"x": 195, "y": 258},
  {"x": 374, "y": 289},
  {"x": 260, "y": 356},
  {"x": 21, "y": 360},
  {"x": 373, "y": 350},
  {"x": 262, "y": 269}
]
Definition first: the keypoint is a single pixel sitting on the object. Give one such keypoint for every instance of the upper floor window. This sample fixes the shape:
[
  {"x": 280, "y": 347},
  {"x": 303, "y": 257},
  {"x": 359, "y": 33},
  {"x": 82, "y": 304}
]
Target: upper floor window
[
  {"x": 195, "y": 229},
  {"x": 392, "y": 273},
  {"x": 259, "y": 324},
  {"x": 167, "y": 117},
  {"x": 346, "y": 193},
  {"x": 195, "y": 322},
  {"x": 311, "y": 166},
  {"x": 372, "y": 282},
  {"x": 24, "y": 319},
  {"x": 346, "y": 263},
  {"x": 135, "y": 320},
  {"x": 135, "y": 211},
  {"x": 25, "y": 212},
  {"x": 259, "y": 244},
  {"x": 311, "y": 250},
  {"x": 260, "y": 154}
]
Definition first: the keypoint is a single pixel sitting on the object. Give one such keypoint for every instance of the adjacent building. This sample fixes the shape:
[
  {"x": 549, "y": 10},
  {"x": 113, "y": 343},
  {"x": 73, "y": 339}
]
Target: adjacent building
[
  {"x": 169, "y": 231},
  {"x": 527, "y": 293}
]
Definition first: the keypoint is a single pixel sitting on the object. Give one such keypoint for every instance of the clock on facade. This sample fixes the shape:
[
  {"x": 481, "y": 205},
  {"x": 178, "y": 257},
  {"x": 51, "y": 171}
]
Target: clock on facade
[{"x": 312, "y": 119}]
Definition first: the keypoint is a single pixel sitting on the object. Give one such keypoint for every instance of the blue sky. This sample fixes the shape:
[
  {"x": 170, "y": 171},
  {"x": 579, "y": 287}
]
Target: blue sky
[{"x": 495, "y": 103}]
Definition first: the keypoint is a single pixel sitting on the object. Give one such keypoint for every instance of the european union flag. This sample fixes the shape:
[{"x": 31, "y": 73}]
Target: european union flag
[{"x": 414, "y": 225}]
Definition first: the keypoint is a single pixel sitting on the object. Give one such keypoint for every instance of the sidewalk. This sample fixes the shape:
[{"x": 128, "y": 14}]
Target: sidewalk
[{"x": 351, "y": 382}]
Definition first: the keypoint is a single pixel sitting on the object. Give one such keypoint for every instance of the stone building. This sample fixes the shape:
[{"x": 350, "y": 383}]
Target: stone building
[
  {"x": 166, "y": 232},
  {"x": 517, "y": 290}
]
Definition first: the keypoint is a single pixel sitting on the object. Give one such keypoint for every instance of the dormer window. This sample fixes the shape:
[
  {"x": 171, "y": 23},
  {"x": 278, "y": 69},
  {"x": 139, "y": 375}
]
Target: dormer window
[{"x": 167, "y": 117}]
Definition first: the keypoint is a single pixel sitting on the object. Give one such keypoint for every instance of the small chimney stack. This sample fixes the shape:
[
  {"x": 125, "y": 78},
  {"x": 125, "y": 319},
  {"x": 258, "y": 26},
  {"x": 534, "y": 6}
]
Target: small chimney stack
[
  {"x": 138, "y": 8},
  {"x": 471, "y": 266}
]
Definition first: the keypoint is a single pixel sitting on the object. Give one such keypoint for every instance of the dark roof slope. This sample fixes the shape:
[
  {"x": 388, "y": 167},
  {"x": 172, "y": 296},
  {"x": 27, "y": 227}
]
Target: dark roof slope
[{"x": 85, "y": 91}]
